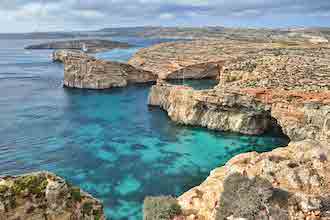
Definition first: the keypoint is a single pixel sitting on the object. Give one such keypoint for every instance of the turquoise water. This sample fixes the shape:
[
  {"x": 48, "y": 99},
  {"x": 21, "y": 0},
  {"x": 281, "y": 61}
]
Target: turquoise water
[{"x": 110, "y": 142}]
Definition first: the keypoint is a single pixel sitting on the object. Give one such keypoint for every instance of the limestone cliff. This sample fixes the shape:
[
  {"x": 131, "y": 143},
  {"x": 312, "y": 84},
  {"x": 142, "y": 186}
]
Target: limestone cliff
[
  {"x": 283, "y": 89},
  {"x": 255, "y": 95},
  {"x": 44, "y": 195},
  {"x": 83, "y": 71}
]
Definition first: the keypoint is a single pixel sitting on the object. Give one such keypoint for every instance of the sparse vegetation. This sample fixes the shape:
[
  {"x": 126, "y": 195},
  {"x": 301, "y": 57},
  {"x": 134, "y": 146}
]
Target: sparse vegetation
[
  {"x": 3, "y": 189},
  {"x": 32, "y": 184},
  {"x": 161, "y": 208},
  {"x": 75, "y": 194},
  {"x": 97, "y": 214},
  {"x": 243, "y": 197}
]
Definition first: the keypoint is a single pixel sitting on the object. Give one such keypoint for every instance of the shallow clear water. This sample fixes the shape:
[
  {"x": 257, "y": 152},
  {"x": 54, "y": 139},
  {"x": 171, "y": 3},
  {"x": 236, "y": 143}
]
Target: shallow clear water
[{"x": 107, "y": 142}]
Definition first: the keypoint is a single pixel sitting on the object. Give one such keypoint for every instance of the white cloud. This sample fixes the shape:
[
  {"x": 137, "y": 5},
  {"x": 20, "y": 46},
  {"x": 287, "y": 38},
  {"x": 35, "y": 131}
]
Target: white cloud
[
  {"x": 166, "y": 16},
  {"x": 22, "y": 15}
]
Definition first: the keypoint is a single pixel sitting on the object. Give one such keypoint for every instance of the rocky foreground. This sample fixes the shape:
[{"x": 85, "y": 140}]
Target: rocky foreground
[
  {"x": 90, "y": 45},
  {"x": 43, "y": 195},
  {"x": 283, "y": 89}
]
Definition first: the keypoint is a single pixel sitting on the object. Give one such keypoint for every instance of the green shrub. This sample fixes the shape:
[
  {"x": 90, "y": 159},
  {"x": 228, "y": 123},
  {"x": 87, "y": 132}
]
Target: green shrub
[
  {"x": 75, "y": 194},
  {"x": 33, "y": 184},
  {"x": 161, "y": 208},
  {"x": 243, "y": 197}
]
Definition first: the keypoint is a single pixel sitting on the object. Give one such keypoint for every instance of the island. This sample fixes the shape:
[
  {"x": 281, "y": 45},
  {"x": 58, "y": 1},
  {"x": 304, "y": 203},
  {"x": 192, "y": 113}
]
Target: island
[{"x": 88, "y": 45}]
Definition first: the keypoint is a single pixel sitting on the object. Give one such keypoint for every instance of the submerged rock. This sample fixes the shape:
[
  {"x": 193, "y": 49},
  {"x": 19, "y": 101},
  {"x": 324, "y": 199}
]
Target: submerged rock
[
  {"x": 84, "y": 71},
  {"x": 44, "y": 195}
]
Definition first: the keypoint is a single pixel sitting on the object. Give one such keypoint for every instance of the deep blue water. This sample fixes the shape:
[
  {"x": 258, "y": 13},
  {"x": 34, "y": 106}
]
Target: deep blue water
[{"x": 107, "y": 142}]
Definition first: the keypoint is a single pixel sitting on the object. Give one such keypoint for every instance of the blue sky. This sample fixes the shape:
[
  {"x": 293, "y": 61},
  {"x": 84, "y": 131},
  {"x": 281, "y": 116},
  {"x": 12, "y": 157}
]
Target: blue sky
[{"x": 67, "y": 15}]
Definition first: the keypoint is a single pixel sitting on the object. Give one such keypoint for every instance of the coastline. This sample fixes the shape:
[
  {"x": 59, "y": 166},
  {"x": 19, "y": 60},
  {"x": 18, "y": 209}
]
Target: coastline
[{"x": 254, "y": 96}]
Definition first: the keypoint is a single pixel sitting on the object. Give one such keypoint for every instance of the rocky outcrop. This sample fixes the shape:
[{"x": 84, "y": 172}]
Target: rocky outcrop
[
  {"x": 83, "y": 71},
  {"x": 44, "y": 195},
  {"x": 299, "y": 174},
  {"x": 283, "y": 89},
  {"x": 212, "y": 109},
  {"x": 90, "y": 45},
  {"x": 255, "y": 95}
]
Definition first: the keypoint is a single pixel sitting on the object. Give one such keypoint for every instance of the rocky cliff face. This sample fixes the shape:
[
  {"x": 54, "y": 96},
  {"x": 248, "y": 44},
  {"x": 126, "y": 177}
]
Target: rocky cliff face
[
  {"x": 285, "y": 89},
  {"x": 256, "y": 94},
  {"x": 212, "y": 109},
  {"x": 83, "y": 71},
  {"x": 44, "y": 195}
]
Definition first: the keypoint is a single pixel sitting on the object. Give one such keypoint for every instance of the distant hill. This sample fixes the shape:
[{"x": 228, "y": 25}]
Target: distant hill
[
  {"x": 90, "y": 45},
  {"x": 247, "y": 34}
]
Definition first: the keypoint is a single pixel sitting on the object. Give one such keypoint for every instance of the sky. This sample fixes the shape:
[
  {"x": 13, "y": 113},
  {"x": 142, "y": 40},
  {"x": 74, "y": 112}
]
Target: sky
[{"x": 72, "y": 15}]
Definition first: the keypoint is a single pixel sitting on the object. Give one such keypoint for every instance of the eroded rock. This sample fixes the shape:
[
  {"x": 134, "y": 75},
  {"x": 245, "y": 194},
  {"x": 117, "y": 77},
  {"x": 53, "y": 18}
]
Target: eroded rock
[{"x": 83, "y": 71}]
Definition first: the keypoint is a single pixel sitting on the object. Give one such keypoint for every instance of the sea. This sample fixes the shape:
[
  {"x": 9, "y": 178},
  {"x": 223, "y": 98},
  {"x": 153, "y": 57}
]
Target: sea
[{"x": 108, "y": 142}]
